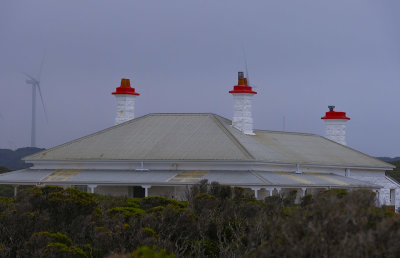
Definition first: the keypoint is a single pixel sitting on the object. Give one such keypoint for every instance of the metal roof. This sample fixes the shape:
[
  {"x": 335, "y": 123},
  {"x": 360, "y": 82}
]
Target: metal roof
[
  {"x": 311, "y": 149},
  {"x": 183, "y": 177},
  {"x": 312, "y": 179},
  {"x": 194, "y": 137},
  {"x": 24, "y": 176},
  {"x": 154, "y": 137}
]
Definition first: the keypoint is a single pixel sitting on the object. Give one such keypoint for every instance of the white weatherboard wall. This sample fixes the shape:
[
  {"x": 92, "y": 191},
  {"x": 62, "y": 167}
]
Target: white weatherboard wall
[
  {"x": 112, "y": 190},
  {"x": 388, "y": 184},
  {"x": 242, "y": 117},
  {"x": 173, "y": 192},
  {"x": 125, "y": 108},
  {"x": 335, "y": 130}
]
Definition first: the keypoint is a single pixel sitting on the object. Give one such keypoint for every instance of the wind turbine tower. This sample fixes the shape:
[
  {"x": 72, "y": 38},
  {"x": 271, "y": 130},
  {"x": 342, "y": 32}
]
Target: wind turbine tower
[{"x": 35, "y": 85}]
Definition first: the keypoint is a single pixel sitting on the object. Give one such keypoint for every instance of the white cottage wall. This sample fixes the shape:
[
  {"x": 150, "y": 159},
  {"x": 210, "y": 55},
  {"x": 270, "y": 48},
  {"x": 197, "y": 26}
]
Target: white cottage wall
[
  {"x": 112, "y": 190},
  {"x": 174, "y": 192},
  {"x": 161, "y": 191},
  {"x": 379, "y": 178}
]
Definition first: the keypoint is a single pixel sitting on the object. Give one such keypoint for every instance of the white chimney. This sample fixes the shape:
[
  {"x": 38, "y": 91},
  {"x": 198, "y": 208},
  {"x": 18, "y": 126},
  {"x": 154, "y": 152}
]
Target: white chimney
[
  {"x": 335, "y": 125},
  {"x": 125, "y": 96},
  {"x": 242, "y": 97}
]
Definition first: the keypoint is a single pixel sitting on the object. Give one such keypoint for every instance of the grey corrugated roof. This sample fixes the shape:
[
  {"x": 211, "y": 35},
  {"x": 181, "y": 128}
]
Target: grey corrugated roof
[
  {"x": 204, "y": 137},
  {"x": 312, "y": 179},
  {"x": 226, "y": 177},
  {"x": 154, "y": 137},
  {"x": 311, "y": 149},
  {"x": 123, "y": 177},
  {"x": 234, "y": 178},
  {"x": 24, "y": 176}
]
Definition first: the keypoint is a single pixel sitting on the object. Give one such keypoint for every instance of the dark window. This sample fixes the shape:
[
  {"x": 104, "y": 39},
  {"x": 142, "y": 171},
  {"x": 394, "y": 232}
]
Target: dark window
[
  {"x": 138, "y": 191},
  {"x": 392, "y": 196},
  {"x": 82, "y": 188}
]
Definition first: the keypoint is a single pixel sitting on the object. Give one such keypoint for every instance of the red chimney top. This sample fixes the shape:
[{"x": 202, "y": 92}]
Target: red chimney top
[
  {"x": 242, "y": 86},
  {"x": 331, "y": 114},
  {"x": 125, "y": 88}
]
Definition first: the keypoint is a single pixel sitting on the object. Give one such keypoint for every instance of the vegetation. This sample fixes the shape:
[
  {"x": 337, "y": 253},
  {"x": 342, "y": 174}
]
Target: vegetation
[
  {"x": 12, "y": 159},
  {"x": 6, "y": 190},
  {"x": 216, "y": 221},
  {"x": 388, "y": 159},
  {"x": 395, "y": 173},
  {"x": 4, "y": 169}
]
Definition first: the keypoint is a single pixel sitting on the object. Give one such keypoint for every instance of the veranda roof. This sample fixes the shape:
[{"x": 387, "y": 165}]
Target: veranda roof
[{"x": 176, "y": 178}]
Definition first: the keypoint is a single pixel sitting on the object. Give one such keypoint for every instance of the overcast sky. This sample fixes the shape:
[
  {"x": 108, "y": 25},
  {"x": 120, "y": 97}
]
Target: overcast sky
[{"x": 183, "y": 56}]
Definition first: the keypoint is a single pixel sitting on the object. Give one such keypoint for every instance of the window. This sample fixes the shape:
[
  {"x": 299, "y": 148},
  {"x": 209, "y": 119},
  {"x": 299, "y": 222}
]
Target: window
[
  {"x": 392, "y": 196},
  {"x": 136, "y": 191},
  {"x": 82, "y": 188}
]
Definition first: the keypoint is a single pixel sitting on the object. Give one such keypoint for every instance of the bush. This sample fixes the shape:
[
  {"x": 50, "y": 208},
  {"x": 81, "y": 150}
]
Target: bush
[
  {"x": 63, "y": 204},
  {"x": 154, "y": 201},
  {"x": 126, "y": 211},
  {"x": 147, "y": 252},
  {"x": 47, "y": 244},
  {"x": 6, "y": 190},
  {"x": 217, "y": 221}
]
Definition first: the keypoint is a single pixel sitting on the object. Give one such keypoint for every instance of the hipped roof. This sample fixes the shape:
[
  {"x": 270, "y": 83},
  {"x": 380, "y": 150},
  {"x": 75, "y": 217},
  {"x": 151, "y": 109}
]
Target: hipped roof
[{"x": 204, "y": 137}]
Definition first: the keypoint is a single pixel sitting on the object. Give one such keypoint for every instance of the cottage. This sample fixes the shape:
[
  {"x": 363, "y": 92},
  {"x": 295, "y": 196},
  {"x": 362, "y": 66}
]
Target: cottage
[{"x": 163, "y": 154}]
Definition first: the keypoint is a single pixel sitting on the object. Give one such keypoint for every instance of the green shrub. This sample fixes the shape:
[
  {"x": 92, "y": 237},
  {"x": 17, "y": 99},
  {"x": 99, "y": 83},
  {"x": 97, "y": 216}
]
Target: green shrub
[
  {"x": 62, "y": 250},
  {"x": 48, "y": 244},
  {"x": 126, "y": 211},
  {"x": 133, "y": 202},
  {"x": 53, "y": 222},
  {"x": 4, "y": 169},
  {"x": 147, "y": 252},
  {"x": 154, "y": 201},
  {"x": 149, "y": 232},
  {"x": 5, "y": 203},
  {"x": 6, "y": 190},
  {"x": 65, "y": 205},
  {"x": 203, "y": 202},
  {"x": 55, "y": 237}
]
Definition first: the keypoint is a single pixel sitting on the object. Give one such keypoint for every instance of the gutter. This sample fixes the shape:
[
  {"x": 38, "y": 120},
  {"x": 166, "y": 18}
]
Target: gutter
[{"x": 212, "y": 162}]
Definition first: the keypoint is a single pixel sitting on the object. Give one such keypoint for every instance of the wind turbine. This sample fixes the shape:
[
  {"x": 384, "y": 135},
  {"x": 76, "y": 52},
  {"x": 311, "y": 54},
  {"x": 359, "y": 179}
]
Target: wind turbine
[{"x": 35, "y": 82}]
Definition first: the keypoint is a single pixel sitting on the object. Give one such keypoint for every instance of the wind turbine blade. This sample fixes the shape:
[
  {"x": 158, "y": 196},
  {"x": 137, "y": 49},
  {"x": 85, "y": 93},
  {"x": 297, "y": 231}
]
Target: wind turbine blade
[
  {"x": 33, "y": 80},
  {"x": 29, "y": 76},
  {"x": 41, "y": 66},
  {"x": 41, "y": 98}
]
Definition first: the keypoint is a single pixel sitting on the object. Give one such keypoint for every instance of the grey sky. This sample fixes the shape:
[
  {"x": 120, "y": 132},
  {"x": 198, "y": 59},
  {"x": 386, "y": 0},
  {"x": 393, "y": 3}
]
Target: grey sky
[{"x": 183, "y": 56}]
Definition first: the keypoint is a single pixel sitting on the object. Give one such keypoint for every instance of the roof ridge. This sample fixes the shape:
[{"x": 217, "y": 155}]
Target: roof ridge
[
  {"x": 231, "y": 136},
  {"x": 273, "y": 131},
  {"x": 222, "y": 117},
  {"x": 85, "y": 137},
  {"x": 179, "y": 114}
]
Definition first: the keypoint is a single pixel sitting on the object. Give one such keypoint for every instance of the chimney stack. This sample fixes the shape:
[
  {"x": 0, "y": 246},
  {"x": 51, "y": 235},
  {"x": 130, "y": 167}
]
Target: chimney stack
[
  {"x": 242, "y": 97},
  {"x": 125, "y": 96},
  {"x": 335, "y": 125}
]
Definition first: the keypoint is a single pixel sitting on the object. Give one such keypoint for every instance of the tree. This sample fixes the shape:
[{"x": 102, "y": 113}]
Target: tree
[{"x": 4, "y": 169}]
